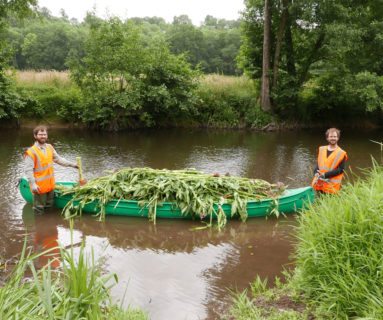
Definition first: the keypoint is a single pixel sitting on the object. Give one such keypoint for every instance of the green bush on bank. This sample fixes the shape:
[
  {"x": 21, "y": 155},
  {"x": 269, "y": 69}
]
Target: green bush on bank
[
  {"x": 48, "y": 100},
  {"x": 339, "y": 254},
  {"x": 227, "y": 108},
  {"x": 229, "y": 102}
]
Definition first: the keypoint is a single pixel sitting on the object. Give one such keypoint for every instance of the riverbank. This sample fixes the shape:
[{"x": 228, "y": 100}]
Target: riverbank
[
  {"x": 338, "y": 260},
  {"x": 220, "y": 102}
]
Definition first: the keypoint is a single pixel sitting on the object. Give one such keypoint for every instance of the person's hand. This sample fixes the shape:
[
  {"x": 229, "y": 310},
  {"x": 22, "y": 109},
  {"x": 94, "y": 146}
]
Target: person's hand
[
  {"x": 75, "y": 166},
  {"x": 319, "y": 176},
  {"x": 35, "y": 188},
  {"x": 322, "y": 176}
]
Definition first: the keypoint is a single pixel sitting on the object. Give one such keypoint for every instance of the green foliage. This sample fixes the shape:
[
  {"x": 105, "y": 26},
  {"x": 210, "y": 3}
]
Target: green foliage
[
  {"x": 213, "y": 46},
  {"x": 193, "y": 193},
  {"x": 229, "y": 102},
  {"x": 78, "y": 291},
  {"x": 262, "y": 303},
  {"x": 126, "y": 83},
  {"x": 11, "y": 102},
  {"x": 45, "y": 43},
  {"x": 52, "y": 101},
  {"x": 330, "y": 58},
  {"x": 218, "y": 101},
  {"x": 345, "y": 95},
  {"x": 339, "y": 251},
  {"x": 48, "y": 42}
]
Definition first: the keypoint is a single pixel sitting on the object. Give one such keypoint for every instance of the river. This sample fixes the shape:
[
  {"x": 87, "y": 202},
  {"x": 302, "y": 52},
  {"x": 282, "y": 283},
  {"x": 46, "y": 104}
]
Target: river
[{"x": 167, "y": 269}]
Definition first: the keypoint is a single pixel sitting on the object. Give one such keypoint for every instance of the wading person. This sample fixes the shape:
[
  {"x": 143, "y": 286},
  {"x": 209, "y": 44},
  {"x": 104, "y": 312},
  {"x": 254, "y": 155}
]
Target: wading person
[
  {"x": 330, "y": 165},
  {"x": 38, "y": 167}
]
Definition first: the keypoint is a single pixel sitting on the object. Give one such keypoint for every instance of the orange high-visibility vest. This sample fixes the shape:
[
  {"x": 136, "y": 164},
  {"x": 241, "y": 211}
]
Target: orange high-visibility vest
[
  {"x": 326, "y": 164},
  {"x": 43, "y": 169}
]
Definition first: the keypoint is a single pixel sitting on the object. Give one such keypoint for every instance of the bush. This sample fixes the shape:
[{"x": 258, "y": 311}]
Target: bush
[
  {"x": 51, "y": 101},
  {"x": 229, "y": 102}
]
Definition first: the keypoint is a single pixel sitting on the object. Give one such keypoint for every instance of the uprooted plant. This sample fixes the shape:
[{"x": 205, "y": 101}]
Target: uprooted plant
[{"x": 193, "y": 192}]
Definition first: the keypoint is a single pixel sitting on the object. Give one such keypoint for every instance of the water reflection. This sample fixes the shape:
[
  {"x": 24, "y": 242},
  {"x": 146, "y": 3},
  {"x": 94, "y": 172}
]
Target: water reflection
[
  {"x": 169, "y": 270},
  {"x": 45, "y": 236}
]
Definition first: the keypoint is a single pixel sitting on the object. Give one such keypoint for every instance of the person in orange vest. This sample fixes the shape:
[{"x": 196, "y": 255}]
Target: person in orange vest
[
  {"x": 331, "y": 164},
  {"x": 38, "y": 167}
]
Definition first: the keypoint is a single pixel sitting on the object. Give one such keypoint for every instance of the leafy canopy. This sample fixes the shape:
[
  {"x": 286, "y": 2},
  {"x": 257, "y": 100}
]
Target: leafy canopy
[{"x": 127, "y": 82}]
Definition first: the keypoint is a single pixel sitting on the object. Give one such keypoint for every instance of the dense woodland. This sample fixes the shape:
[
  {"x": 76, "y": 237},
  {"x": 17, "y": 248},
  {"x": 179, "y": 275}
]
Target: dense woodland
[
  {"x": 308, "y": 63},
  {"x": 48, "y": 42}
]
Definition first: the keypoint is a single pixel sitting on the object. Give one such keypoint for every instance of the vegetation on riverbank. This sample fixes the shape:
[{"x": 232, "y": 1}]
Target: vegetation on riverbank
[
  {"x": 143, "y": 72},
  {"x": 76, "y": 290},
  {"x": 220, "y": 101},
  {"x": 338, "y": 256}
]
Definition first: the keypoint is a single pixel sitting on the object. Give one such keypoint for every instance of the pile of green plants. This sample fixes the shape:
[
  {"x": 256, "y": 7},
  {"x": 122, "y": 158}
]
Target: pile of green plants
[
  {"x": 339, "y": 254},
  {"x": 195, "y": 193}
]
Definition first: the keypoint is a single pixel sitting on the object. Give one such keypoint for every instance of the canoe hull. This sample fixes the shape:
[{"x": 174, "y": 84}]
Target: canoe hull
[{"x": 293, "y": 200}]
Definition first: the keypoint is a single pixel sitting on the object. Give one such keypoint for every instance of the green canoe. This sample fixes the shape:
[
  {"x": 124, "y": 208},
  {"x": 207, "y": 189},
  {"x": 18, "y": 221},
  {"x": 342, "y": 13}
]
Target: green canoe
[{"x": 292, "y": 200}]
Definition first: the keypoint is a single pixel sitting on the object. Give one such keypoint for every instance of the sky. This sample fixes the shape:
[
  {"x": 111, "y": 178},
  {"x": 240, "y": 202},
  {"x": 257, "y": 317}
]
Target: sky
[{"x": 197, "y": 10}]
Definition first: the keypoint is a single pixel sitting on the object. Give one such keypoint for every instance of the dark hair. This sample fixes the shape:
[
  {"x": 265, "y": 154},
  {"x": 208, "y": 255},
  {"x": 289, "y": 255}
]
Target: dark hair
[
  {"x": 39, "y": 128},
  {"x": 333, "y": 130}
]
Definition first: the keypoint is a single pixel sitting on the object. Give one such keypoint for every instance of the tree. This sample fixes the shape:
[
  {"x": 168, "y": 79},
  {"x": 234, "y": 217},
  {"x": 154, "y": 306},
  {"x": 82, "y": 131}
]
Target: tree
[
  {"x": 293, "y": 42},
  {"x": 182, "y": 19},
  {"x": 186, "y": 38},
  {"x": 265, "y": 89},
  {"x": 10, "y": 100},
  {"x": 128, "y": 83}
]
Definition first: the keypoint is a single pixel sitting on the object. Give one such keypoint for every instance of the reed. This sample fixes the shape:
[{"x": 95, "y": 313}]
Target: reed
[
  {"x": 339, "y": 254},
  {"x": 77, "y": 291}
]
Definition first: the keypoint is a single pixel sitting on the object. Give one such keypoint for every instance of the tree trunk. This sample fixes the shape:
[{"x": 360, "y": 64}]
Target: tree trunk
[
  {"x": 282, "y": 27},
  {"x": 265, "y": 89},
  {"x": 290, "y": 50}
]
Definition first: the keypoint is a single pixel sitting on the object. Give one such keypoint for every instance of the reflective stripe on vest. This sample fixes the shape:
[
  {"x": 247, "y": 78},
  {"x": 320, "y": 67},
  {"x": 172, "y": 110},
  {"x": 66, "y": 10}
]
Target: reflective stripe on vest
[
  {"x": 43, "y": 170},
  {"x": 326, "y": 164}
]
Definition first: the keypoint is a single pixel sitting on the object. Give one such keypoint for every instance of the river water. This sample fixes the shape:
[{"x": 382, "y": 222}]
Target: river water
[{"x": 167, "y": 269}]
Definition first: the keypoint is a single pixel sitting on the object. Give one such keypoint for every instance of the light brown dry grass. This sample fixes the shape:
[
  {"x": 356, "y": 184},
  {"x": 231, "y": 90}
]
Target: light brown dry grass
[
  {"x": 221, "y": 82},
  {"x": 46, "y": 77}
]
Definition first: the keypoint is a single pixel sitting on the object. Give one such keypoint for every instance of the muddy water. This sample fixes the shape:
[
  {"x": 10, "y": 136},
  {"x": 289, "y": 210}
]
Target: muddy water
[{"x": 167, "y": 269}]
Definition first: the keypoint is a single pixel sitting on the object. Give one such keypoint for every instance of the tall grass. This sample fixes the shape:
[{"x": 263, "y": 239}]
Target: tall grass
[
  {"x": 77, "y": 291},
  {"x": 340, "y": 250},
  {"x": 44, "y": 77},
  {"x": 262, "y": 303},
  {"x": 229, "y": 83},
  {"x": 51, "y": 95}
]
